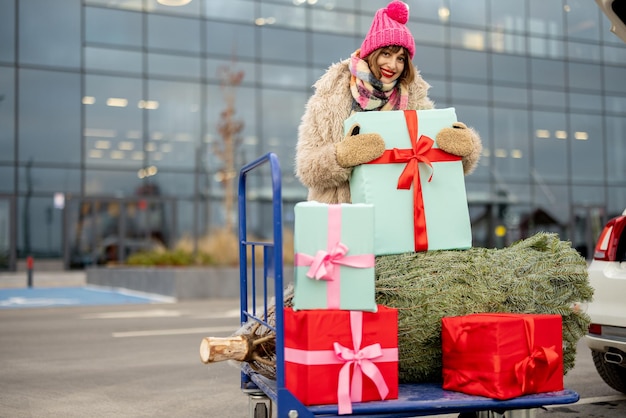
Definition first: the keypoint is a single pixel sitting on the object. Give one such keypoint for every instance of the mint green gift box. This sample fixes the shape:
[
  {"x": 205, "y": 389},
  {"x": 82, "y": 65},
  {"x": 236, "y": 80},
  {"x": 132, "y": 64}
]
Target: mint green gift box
[
  {"x": 444, "y": 199},
  {"x": 334, "y": 257}
]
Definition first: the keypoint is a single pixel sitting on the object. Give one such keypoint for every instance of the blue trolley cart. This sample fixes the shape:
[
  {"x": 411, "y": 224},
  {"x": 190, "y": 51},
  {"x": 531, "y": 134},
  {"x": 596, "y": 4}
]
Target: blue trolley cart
[{"x": 271, "y": 398}]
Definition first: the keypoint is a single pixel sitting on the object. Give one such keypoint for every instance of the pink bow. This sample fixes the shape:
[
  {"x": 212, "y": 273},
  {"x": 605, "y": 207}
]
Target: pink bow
[
  {"x": 361, "y": 359},
  {"x": 324, "y": 263}
]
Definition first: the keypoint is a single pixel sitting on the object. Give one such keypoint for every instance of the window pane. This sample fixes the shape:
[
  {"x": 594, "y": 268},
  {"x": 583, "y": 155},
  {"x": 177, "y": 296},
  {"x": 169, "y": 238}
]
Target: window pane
[
  {"x": 478, "y": 118},
  {"x": 136, "y": 5},
  {"x": 113, "y": 121},
  {"x": 430, "y": 60},
  {"x": 213, "y": 67},
  {"x": 279, "y": 132},
  {"x": 469, "y": 64},
  {"x": 582, "y": 19},
  {"x": 616, "y": 201},
  {"x": 6, "y": 185},
  {"x": 7, "y": 31},
  {"x": 616, "y": 164},
  {"x": 49, "y": 180},
  {"x": 103, "y": 59},
  {"x": 283, "y": 75},
  {"x": 7, "y": 114},
  {"x": 507, "y": 43},
  {"x": 240, "y": 10},
  {"x": 511, "y": 154},
  {"x": 509, "y": 68},
  {"x": 175, "y": 66},
  {"x": 190, "y": 9},
  {"x": 615, "y": 55},
  {"x": 49, "y": 32},
  {"x": 545, "y": 47},
  {"x": 425, "y": 33},
  {"x": 548, "y": 73},
  {"x": 333, "y": 21},
  {"x": 42, "y": 236},
  {"x": 579, "y": 101},
  {"x": 549, "y": 147},
  {"x": 128, "y": 27},
  {"x": 245, "y": 100},
  {"x": 584, "y": 52},
  {"x": 328, "y": 49},
  {"x": 175, "y": 184},
  {"x": 615, "y": 103},
  {"x": 547, "y": 98},
  {"x": 174, "y": 128},
  {"x": 45, "y": 99},
  {"x": 116, "y": 183},
  {"x": 587, "y": 147},
  {"x": 173, "y": 33},
  {"x": 469, "y": 92},
  {"x": 285, "y": 16},
  {"x": 508, "y": 15},
  {"x": 230, "y": 39},
  {"x": 546, "y": 18},
  {"x": 614, "y": 79},
  {"x": 283, "y": 45},
  {"x": 468, "y": 39},
  {"x": 553, "y": 199},
  {"x": 468, "y": 12},
  {"x": 585, "y": 76},
  {"x": 510, "y": 95}
]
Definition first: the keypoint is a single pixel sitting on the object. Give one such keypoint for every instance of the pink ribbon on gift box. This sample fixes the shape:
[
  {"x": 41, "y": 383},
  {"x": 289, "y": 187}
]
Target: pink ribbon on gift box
[
  {"x": 360, "y": 360},
  {"x": 325, "y": 264}
]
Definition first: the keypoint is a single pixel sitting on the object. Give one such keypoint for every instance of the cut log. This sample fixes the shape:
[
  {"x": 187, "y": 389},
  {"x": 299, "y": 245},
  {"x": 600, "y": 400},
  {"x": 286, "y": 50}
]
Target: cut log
[{"x": 214, "y": 349}]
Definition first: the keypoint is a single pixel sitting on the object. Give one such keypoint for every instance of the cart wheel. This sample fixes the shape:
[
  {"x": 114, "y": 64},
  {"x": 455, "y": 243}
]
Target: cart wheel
[
  {"x": 260, "y": 406},
  {"x": 260, "y": 411}
]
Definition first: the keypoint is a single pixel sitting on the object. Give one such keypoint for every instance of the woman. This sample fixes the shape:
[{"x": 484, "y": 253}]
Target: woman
[{"x": 377, "y": 76}]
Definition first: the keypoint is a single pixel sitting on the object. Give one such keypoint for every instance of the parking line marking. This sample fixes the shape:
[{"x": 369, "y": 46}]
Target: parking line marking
[{"x": 180, "y": 331}]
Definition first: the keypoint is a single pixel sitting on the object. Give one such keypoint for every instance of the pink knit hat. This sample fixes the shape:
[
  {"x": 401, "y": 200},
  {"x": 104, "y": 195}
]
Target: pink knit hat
[{"x": 389, "y": 28}]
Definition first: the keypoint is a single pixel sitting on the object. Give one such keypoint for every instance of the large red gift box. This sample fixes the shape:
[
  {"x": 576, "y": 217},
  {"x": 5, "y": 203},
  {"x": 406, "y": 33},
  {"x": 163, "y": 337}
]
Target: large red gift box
[
  {"x": 502, "y": 356},
  {"x": 340, "y": 357}
]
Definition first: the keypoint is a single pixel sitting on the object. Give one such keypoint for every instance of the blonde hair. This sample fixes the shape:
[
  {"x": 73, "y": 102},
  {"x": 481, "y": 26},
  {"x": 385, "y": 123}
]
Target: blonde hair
[{"x": 408, "y": 73}]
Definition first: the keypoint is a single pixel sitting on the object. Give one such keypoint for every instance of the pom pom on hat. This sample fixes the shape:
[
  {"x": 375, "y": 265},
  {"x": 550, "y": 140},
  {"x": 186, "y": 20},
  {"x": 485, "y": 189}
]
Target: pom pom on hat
[
  {"x": 388, "y": 28},
  {"x": 398, "y": 11}
]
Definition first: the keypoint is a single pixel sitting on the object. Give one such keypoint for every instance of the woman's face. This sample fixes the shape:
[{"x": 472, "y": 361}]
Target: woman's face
[{"x": 391, "y": 65}]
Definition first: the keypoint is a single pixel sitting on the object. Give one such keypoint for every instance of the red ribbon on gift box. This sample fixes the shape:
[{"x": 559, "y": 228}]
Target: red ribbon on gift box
[
  {"x": 421, "y": 151},
  {"x": 359, "y": 360},
  {"x": 325, "y": 264},
  {"x": 539, "y": 365}
]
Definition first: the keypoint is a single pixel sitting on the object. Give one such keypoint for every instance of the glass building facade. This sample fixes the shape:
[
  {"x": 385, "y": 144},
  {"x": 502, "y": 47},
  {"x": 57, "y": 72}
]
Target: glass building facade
[{"x": 110, "y": 113}]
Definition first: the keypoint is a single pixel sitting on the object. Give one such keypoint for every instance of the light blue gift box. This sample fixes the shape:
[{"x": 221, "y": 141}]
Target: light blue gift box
[
  {"x": 344, "y": 234},
  {"x": 444, "y": 197}
]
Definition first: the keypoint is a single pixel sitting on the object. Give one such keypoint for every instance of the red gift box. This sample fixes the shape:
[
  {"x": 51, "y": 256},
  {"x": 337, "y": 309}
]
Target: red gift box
[
  {"x": 340, "y": 357},
  {"x": 502, "y": 356}
]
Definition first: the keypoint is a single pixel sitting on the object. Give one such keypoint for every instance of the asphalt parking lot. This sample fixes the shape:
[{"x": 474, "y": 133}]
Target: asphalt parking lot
[{"x": 140, "y": 359}]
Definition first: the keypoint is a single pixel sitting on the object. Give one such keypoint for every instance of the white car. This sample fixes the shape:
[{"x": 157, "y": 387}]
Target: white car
[{"x": 607, "y": 332}]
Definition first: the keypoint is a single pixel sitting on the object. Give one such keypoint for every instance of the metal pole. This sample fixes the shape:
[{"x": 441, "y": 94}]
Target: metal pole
[{"x": 29, "y": 269}]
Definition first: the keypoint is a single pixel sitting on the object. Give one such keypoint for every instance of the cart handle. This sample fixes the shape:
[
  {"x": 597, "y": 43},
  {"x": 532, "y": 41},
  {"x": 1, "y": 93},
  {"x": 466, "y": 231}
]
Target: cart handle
[{"x": 277, "y": 254}]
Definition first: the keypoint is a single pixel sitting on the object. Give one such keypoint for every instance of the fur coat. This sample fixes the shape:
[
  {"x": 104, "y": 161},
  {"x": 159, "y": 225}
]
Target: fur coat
[{"x": 321, "y": 128}]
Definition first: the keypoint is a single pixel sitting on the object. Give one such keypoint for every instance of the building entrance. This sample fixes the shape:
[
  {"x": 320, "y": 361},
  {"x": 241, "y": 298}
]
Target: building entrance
[{"x": 108, "y": 230}]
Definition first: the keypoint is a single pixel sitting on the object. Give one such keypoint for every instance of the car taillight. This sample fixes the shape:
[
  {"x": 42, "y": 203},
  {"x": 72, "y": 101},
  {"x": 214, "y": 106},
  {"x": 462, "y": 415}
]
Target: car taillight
[
  {"x": 606, "y": 247},
  {"x": 602, "y": 245},
  {"x": 595, "y": 329}
]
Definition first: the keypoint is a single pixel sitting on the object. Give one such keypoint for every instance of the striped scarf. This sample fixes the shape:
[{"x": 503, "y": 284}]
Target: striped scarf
[{"x": 369, "y": 93}]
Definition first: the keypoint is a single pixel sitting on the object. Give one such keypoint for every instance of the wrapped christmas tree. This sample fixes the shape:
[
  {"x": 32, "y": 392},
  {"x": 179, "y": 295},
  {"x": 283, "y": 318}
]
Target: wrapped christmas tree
[{"x": 541, "y": 274}]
